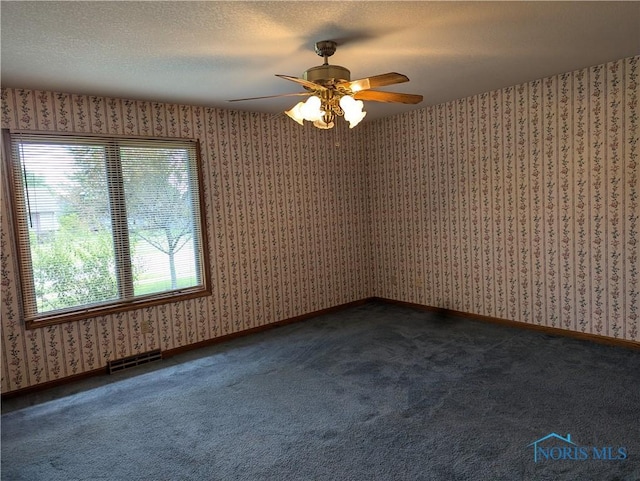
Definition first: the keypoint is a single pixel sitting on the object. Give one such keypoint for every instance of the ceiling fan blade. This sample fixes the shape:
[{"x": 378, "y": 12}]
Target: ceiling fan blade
[
  {"x": 271, "y": 96},
  {"x": 301, "y": 81},
  {"x": 392, "y": 97},
  {"x": 390, "y": 78}
]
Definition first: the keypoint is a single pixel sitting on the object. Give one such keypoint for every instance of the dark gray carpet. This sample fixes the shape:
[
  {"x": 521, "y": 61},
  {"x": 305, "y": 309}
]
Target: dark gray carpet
[{"x": 375, "y": 392}]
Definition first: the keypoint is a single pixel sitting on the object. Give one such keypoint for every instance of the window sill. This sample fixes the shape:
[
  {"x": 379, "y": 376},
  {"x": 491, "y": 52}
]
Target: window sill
[{"x": 60, "y": 317}]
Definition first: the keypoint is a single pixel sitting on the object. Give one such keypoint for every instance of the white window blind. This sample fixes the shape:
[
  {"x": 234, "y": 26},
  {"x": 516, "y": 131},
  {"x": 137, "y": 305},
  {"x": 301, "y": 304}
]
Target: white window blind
[{"x": 104, "y": 222}]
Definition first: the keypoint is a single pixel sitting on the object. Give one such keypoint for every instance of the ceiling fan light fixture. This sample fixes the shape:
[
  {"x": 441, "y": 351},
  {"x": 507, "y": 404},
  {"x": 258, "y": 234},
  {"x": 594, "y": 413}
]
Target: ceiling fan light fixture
[
  {"x": 296, "y": 113},
  {"x": 332, "y": 92},
  {"x": 323, "y": 112},
  {"x": 310, "y": 110},
  {"x": 353, "y": 110},
  {"x": 355, "y": 120}
]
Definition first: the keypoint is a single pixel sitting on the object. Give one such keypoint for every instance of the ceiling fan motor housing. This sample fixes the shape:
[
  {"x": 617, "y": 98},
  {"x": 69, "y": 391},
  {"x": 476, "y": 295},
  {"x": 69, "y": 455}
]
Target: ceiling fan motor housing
[{"x": 327, "y": 74}]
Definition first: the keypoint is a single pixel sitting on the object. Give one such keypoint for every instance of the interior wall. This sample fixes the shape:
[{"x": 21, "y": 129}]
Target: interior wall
[
  {"x": 520, "y": 204},
  {"x": 284, "y": 208}
]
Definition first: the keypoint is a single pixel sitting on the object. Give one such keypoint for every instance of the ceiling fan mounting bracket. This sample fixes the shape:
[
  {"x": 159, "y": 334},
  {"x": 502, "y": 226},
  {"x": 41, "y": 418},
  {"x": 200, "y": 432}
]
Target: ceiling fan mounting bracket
[{"x": 326, "y": 48}]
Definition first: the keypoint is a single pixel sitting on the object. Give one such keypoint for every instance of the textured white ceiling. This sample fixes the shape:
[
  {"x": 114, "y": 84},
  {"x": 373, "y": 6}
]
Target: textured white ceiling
[{"x": 205, "y": 53}]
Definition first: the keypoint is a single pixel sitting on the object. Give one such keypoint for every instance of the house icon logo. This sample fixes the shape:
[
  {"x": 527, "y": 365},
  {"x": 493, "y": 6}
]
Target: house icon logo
[
  {"x": 554, "y": 447},
  {"x": 546, "y": 452}
]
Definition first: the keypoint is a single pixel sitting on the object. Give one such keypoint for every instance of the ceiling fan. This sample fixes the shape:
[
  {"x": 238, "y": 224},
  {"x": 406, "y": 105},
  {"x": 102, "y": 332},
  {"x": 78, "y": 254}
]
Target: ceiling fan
[{"x": 332, "y": 93}]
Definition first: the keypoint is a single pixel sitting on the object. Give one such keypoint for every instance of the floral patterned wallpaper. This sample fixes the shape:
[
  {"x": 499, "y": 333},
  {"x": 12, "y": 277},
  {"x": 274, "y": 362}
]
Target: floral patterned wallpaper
[
  {"x": 520, "y": 204},
  {"x": 285, "y": 219}
]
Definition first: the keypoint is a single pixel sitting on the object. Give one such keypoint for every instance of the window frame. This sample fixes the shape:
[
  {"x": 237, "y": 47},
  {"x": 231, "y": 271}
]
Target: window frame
[{"x": 24, "y": 280}]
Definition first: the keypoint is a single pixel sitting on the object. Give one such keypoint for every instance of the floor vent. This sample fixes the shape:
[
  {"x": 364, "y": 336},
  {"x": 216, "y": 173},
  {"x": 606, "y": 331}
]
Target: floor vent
[{"x": 133, "y": 361}]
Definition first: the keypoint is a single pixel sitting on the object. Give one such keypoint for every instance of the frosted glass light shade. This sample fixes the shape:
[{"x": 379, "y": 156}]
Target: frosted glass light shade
[
  {"x": 352, "y": 108},
  {"x": 355, "y": 119},
  {"x": 296, "y": 113},
  {"x": 347, "y": 102},
  {"x": 311, "y": 109}
]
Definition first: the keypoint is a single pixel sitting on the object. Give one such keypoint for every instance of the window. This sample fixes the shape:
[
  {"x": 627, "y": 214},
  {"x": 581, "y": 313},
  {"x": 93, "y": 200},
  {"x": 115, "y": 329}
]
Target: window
[{"x": 105, "y": 224}]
